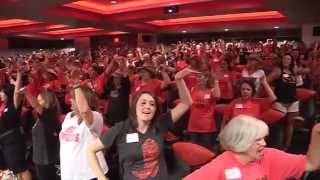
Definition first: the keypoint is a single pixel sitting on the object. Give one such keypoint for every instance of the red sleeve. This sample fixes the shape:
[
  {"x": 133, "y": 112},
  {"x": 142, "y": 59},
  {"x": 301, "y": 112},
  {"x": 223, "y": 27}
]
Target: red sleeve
[
  {"x": 100, "y": 82},
  {"x": 227, "y": 115},
  {"x": 210, "y": 171},
  {"x": 277, "y": 160}
]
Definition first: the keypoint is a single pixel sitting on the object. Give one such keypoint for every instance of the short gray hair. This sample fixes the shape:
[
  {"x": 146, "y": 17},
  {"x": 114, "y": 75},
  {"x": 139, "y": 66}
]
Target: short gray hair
[{"x": 241, "y": 132}]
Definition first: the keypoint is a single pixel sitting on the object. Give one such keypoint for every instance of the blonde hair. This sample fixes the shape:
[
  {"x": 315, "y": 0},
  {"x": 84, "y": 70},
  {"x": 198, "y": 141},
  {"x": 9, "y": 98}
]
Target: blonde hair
[{"x": 241, "y": 132}]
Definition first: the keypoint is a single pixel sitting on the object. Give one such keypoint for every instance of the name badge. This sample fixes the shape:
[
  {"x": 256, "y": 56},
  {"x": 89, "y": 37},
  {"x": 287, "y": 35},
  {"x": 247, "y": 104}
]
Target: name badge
[
  {"x": 207, "y": 96},
  {"x": 131, "y": 138},
  {"x": 233, "y": 173},
  {"x": 238, "y": 106},
  {"x": 285, "y": 75}
]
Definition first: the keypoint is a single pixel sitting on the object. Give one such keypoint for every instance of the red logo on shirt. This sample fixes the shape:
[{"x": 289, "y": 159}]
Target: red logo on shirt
[
  {"x": 69, "y": 135},
  {"x": 150, "y": 152}
]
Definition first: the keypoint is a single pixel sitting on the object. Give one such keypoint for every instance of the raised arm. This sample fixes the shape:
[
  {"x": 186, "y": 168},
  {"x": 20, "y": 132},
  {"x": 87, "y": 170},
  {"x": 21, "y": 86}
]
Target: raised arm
[
  {"x": 184, "y": 94},
  {"x": 216, "y": 92},
  {"x": 313, "y": 158},
  {"x": 275, "y": 74},
  {"x": 166, "y": 79},
  {"x": 17, "y": 95},
  {"x": 109, "y": 67},
  {"x": 271, "y": 96},
  {"x": 80, "y": 99},
  {"x": 302, "y": 70}
]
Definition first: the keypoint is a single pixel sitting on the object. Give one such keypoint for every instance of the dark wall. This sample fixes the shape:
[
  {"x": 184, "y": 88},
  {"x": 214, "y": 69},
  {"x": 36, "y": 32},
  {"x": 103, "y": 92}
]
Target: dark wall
[
  {"x": 125, "y": 39},
  {"x": 23, "y": 43},
  {"x": 280, "y": 34}
]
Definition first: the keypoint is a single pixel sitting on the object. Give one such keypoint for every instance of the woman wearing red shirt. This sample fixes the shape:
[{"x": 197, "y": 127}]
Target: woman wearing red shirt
[
  {"x": 247, "y": 158},
  {"x": 226, "y": 80},
  {"x": 146, "y": 81},
  {"x": 247, "y": 104},
  {"x": 202, "y": 125}
]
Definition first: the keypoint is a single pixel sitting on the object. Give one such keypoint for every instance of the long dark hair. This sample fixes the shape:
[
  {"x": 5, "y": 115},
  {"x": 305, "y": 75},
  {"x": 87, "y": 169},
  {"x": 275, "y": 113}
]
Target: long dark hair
[
  {"x": 292, "y": 64},
  {"x": 250, "y": 82},
  {"x": 8, "y": 90},
  {"x": 51, "y": 101},
  {"x": 133, "y": 106}
]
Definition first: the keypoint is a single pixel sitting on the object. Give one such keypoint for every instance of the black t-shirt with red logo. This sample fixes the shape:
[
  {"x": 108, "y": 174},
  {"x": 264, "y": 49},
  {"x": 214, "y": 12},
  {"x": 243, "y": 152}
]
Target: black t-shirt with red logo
[
  {"x": 141, "y": 156},
  {"x": 9, "y": 118}
]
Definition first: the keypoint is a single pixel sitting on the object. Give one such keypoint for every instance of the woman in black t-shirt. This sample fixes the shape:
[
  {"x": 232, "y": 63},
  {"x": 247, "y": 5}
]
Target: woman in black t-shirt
[
  {"x": 140, "y": 139},
  {"x": 285, "y": 82},
  {"x": 45, "y": 134},
  {"x": 117, "y": 92},
  {"x": 12, "y": 147}
]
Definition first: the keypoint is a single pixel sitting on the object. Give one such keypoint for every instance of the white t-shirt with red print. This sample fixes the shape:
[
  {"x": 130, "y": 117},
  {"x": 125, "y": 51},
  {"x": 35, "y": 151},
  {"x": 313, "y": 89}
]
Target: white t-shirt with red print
[{"x": 74, "y": 138}]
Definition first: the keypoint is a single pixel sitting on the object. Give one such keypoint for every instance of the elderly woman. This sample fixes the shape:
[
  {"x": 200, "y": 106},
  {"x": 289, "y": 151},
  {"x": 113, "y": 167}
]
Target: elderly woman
[{"x": 246, "y": 156}]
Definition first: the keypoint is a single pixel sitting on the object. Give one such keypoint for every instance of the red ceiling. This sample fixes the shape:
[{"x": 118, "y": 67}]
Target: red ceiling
[
  {"x": 15, "y": 22},
  {"x": 96, "y": 17},
  {"x": 72, "y": 31},
  {"x": 219, "y": 18},
  {"x": 127, "y": 6}
]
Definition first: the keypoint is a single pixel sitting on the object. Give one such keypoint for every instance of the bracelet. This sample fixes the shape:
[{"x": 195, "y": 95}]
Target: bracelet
[{"x": 76, "y": 86}]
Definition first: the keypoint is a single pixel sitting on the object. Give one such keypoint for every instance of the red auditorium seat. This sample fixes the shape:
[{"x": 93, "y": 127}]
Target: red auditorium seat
[
  {"x": 220, "y": 108},
  {"x": 271, "y": 116},
  {"x": 304, "y": 94},
  {"x": 192, "y": 154}
]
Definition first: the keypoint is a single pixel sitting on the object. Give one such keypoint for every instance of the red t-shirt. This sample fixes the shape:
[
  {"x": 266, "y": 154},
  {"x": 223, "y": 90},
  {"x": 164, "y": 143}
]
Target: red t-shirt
[
  {"x": 34, "y": 87},
  {"x": 99, "y": 83},
  {"x": 54, "y": 85},
  {"x": 191, "y": 81},
  {"x": 274, "y": 165},
  {"x": 181, "y": 65},
  {"x": 154, "y": 86},
  {"x": 226, "y": 86},
  {"x": 202, "y": 111},
  {"x": 250, "y": 107}
]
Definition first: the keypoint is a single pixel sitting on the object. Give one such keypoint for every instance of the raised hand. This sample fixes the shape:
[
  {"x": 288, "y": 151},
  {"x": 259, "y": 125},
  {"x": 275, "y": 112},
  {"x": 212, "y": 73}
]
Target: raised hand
[
  {"x": 186, "y": 71},
  {"x": 75, "y": 76}
]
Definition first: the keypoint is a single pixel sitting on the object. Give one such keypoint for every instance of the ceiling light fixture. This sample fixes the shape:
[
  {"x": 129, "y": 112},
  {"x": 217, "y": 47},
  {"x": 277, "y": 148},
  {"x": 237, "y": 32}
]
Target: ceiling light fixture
[
  {"x": 276, "y": 27},
  {"x": 184, "y": 31},
  {"x": 113, "y": 2},
  {"x": 226, "y": 30},
  {"x": 171, "y": 9}
]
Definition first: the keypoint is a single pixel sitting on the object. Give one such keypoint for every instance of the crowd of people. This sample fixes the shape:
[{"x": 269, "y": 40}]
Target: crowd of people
[{"x": 80, "y": 110}]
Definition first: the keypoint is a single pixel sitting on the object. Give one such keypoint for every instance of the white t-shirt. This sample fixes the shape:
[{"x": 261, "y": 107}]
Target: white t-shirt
[
  {"x": 257, "y": 75},
  {"x": 74, "y": 139}
]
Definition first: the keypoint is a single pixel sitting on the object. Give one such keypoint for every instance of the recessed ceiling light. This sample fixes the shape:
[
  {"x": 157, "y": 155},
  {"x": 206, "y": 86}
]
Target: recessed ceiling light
[
  {"x": 226, "y": 29},
  {"x": 184, "y": 31},
  {"x": 113, "y": 2},
  {"x": 61, "y": 39},
  {"x": 276, "y": 27}
]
